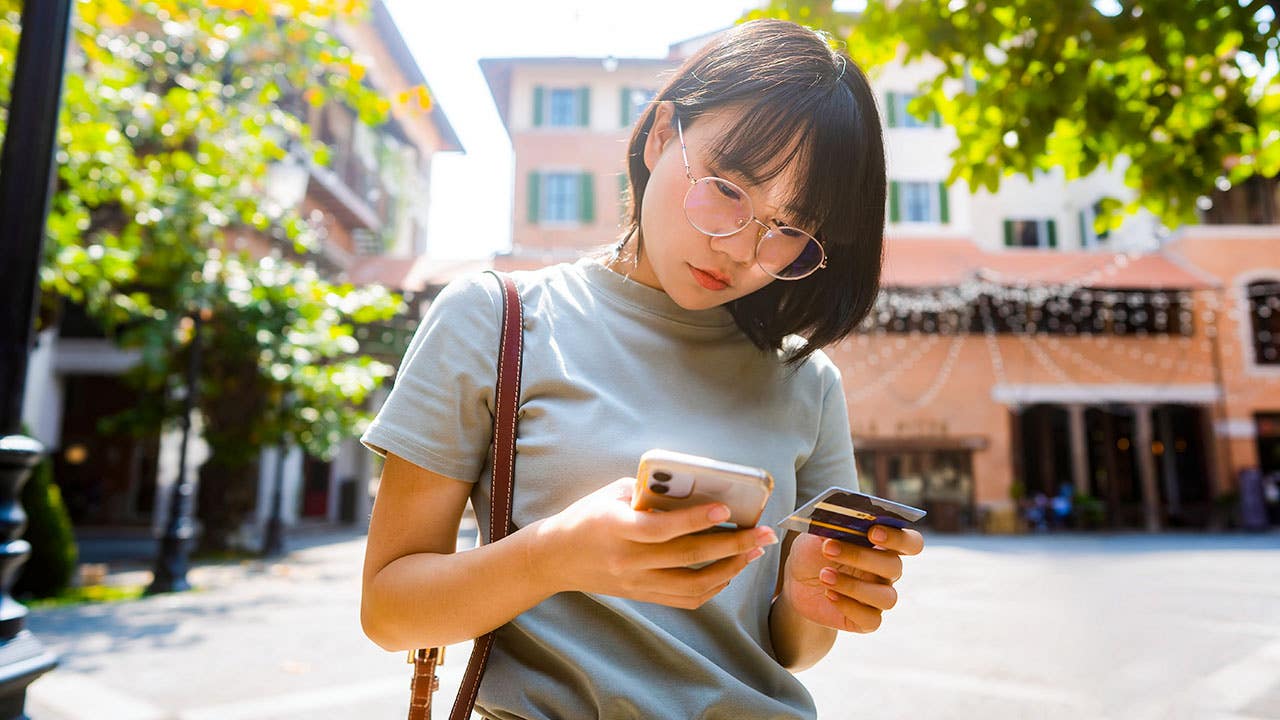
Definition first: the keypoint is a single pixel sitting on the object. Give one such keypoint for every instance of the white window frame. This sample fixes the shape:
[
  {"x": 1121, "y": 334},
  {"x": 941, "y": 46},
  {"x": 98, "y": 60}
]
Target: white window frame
[
  {"x": 575, "y": 111},
  {"x": 571, "y": 200},
  {"x": 1240, "y": 288},
  {"x": 638, "y": 99},
  {"x": 907, "y": 120},
  {"x": 930, "y": 190},
  {"x": 1042, "y": 233},
  {"x": 1092, "y": 240}
]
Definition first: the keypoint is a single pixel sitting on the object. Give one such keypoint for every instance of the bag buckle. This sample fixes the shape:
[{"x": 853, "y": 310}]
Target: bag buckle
[{"x": 420, "y": 655}]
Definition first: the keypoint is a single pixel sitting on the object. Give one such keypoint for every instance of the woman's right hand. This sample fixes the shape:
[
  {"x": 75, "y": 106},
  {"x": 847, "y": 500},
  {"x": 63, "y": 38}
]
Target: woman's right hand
[{"x": 599, "y": 544}]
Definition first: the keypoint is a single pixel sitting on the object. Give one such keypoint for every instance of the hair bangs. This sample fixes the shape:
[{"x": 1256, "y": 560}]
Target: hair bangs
[{"x": 802, "y": 133}]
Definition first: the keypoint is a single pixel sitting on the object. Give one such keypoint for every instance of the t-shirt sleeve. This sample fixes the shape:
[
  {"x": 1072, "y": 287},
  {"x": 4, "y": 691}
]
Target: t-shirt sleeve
[
  {"x": 831, "y": 462},
  {"x": 439, "y": 413}
]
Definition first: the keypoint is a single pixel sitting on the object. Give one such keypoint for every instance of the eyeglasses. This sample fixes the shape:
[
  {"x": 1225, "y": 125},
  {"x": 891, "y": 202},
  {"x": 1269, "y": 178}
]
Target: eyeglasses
[{"x": 720, "y": 208}]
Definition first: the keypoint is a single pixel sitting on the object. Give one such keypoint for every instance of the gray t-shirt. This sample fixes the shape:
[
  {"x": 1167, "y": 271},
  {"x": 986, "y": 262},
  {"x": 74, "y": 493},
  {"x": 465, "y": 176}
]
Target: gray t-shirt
[{"x": 613, "y": 368}]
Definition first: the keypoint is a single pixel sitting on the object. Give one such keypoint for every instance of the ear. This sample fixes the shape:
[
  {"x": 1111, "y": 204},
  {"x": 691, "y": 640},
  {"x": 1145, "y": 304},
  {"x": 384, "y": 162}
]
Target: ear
[{"x": 661, "y": 133}]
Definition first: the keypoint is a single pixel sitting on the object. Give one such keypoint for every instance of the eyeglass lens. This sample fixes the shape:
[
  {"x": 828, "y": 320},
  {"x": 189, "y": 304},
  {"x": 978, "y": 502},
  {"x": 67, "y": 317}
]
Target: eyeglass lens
[{"x": 718, "y": 207}]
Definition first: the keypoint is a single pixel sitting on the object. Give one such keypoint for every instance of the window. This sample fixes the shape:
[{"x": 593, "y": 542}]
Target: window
[
  {"x": 1030, "y": 233},
  {"x": 634, "y": 101},
  {"x": 1264, "y": 311},
  {"x": 561, "y": 107},
  {"x": 561, "y": 197},
  {"x": 1089, "y": 237},
  {"x": 896, "y": 114},
  {"x": 564, "y": 108},
  {"x": 918, "y": 202}
]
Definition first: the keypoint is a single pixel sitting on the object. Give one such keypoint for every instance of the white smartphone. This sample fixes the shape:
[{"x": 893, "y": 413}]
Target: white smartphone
[{"x": 668, "y": 480}]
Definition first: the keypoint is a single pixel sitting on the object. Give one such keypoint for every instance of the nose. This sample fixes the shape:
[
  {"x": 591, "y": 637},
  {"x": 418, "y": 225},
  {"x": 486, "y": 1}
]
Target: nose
[{"x": 740, "y": 246}]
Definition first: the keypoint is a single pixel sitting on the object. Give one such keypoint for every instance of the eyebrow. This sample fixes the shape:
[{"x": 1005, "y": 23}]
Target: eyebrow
[{"x": 753, "y": 179}]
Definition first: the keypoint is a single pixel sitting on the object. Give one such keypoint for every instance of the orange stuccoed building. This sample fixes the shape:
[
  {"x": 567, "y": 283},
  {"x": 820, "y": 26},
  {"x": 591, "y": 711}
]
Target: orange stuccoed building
[{"x": 1016, "y": 353}]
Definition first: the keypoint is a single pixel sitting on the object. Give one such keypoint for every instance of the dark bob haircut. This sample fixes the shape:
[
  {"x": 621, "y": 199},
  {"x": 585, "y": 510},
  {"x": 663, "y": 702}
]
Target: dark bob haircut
[{"x": 801, "y": 103}]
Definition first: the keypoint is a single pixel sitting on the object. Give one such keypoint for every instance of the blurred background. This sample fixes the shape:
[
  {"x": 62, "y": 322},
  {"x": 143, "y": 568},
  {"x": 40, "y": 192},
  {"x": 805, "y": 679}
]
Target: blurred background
[{"x": 254, "y": 202}]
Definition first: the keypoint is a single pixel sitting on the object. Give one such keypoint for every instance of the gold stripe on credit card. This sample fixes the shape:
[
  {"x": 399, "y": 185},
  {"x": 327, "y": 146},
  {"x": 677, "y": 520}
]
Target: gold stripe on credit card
[
  {"x": 829, "y": 526},
  {"x": 844, "y": 511}
]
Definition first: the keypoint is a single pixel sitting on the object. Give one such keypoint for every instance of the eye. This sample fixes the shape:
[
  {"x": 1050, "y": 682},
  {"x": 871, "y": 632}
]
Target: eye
[
  {"x": 790, "y": 231},
  {"x": 727, "y": 190}
]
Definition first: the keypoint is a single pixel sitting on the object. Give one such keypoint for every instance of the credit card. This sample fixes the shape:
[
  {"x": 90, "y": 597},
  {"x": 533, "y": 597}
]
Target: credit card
[{"x": 848, "y": 515}]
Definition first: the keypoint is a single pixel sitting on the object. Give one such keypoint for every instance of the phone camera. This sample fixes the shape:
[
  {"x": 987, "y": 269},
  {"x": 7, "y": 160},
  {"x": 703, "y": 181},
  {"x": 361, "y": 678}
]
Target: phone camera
[
  {"x": 659, "y": 488},
  {"x": 662, "y": 476}
]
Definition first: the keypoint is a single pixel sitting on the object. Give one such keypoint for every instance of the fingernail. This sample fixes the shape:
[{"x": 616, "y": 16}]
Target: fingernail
[
  {"x": 755, "y": 555},
  {"x": 832, "y": 596},
  {"x": 828, "y": 576},
  {"x": 879, "y": 535},
  {"x": 719, "y": 513},
  {"x": 831, "y": 548},
  {"x": 766, "y": 536}
]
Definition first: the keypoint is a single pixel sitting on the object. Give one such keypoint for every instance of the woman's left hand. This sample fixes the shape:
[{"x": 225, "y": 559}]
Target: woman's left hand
[{"x": 846, "y": 586}]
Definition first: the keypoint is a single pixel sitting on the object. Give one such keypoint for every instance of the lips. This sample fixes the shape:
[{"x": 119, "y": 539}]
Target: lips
[{"x": 709, "y": 279}]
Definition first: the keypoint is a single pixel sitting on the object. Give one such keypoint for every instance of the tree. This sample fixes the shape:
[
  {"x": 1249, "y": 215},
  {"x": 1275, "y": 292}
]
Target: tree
[
  {"x": 1176, "y": 86},
  {"x": 173, "y": 113}
]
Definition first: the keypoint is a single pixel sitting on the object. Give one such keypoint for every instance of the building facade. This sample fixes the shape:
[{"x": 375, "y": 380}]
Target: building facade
[
  {"x": 1017, "y": 350},
  {"x": 370, "y": 202}
]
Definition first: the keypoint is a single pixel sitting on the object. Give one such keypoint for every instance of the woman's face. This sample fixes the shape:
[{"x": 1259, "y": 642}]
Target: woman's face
[{"x": 697, "y": 270}]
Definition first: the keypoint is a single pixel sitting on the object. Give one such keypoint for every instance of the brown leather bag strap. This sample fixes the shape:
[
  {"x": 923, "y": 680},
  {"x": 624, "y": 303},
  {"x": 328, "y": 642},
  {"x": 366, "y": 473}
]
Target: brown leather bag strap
[{"x": 507, "y": 403}]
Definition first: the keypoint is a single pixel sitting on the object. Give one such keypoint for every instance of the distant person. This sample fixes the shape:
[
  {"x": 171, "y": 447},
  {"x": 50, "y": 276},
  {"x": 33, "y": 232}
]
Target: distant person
[
  {"x": 1060, "y": 507},
  {"x": 1271, "y": 496},
  {"x": 754, "y": 238},
  {"x": 1038, "y": 512}
]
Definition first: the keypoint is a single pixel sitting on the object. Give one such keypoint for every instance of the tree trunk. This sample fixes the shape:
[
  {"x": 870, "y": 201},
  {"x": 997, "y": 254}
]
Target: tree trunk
[{"x": 228, "y": 494}]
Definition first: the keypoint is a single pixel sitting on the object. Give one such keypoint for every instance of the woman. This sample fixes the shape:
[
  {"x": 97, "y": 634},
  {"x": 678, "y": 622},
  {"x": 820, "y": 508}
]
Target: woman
[{"x": 755, "y": 238}]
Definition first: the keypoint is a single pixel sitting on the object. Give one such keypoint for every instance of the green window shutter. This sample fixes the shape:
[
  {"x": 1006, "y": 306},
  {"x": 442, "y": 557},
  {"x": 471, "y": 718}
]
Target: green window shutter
[
  {"x": 1084, "y": 232},
  {"x": 625, "y": 106},
  {"x": 535, "y": 209},
  {"x": 622, "y": 184},
  {"x": 1008, "y": 233},
  {"x": 1053, "y": 234},
  {"x": 537, "y": 106},
  {"x": 943, "y": 210},
  {"x": 893, "y": 201},
  {"x": 584, "y": 107},
  {"x": 587, "y": 200},
  {"x": 937, "y": 119},
  {"x": 891, "y": 108}
]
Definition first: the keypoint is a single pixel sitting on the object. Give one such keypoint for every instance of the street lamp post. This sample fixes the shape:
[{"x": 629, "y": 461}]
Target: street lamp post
[
  {"x": 26, "y": 181},
  {"x": 170, "y": 571},
  {"x": 273, "y": 543}
]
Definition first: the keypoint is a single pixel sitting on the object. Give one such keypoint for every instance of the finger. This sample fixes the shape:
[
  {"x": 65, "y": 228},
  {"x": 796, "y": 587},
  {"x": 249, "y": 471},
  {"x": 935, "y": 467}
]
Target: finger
[
  {"x": 658, "y": 527},
  {"x": 877, "y": 595},
  {"x": 686, "y": 602},
  {"x": 903, "y": 541},
  {"x": 689, "y": 582},
  {"x": 858, "y": 617},
  {"x": 625, "y": 488},
  {"x": 883, "y": 563},
  {"x": 699, "y": 548}
]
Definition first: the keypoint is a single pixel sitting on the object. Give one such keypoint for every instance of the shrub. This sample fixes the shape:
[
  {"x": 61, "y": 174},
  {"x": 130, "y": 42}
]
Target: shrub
[{"x": 54, "y": 554}]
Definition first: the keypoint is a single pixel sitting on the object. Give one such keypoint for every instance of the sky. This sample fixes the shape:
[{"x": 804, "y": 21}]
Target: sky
[{"x": 470, "y": 214}]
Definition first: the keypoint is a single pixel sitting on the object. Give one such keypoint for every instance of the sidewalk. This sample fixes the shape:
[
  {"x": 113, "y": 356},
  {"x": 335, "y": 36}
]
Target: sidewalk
[{"x": 1046, "y": 627}]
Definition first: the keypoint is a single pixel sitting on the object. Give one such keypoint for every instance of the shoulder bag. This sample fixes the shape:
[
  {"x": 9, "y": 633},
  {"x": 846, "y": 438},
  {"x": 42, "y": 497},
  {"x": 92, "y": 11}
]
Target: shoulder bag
[{"x": 424, "y": 661}]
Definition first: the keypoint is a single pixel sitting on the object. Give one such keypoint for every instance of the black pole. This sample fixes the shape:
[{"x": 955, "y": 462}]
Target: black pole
[
  {"x": 26, "y": 182},
  {"x": 273, "y": 543},
  {"x": 170, "y": 571}
]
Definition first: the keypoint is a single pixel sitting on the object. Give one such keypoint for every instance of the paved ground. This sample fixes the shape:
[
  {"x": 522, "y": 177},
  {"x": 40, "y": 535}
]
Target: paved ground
[{"x": 1043, "y": 627}]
